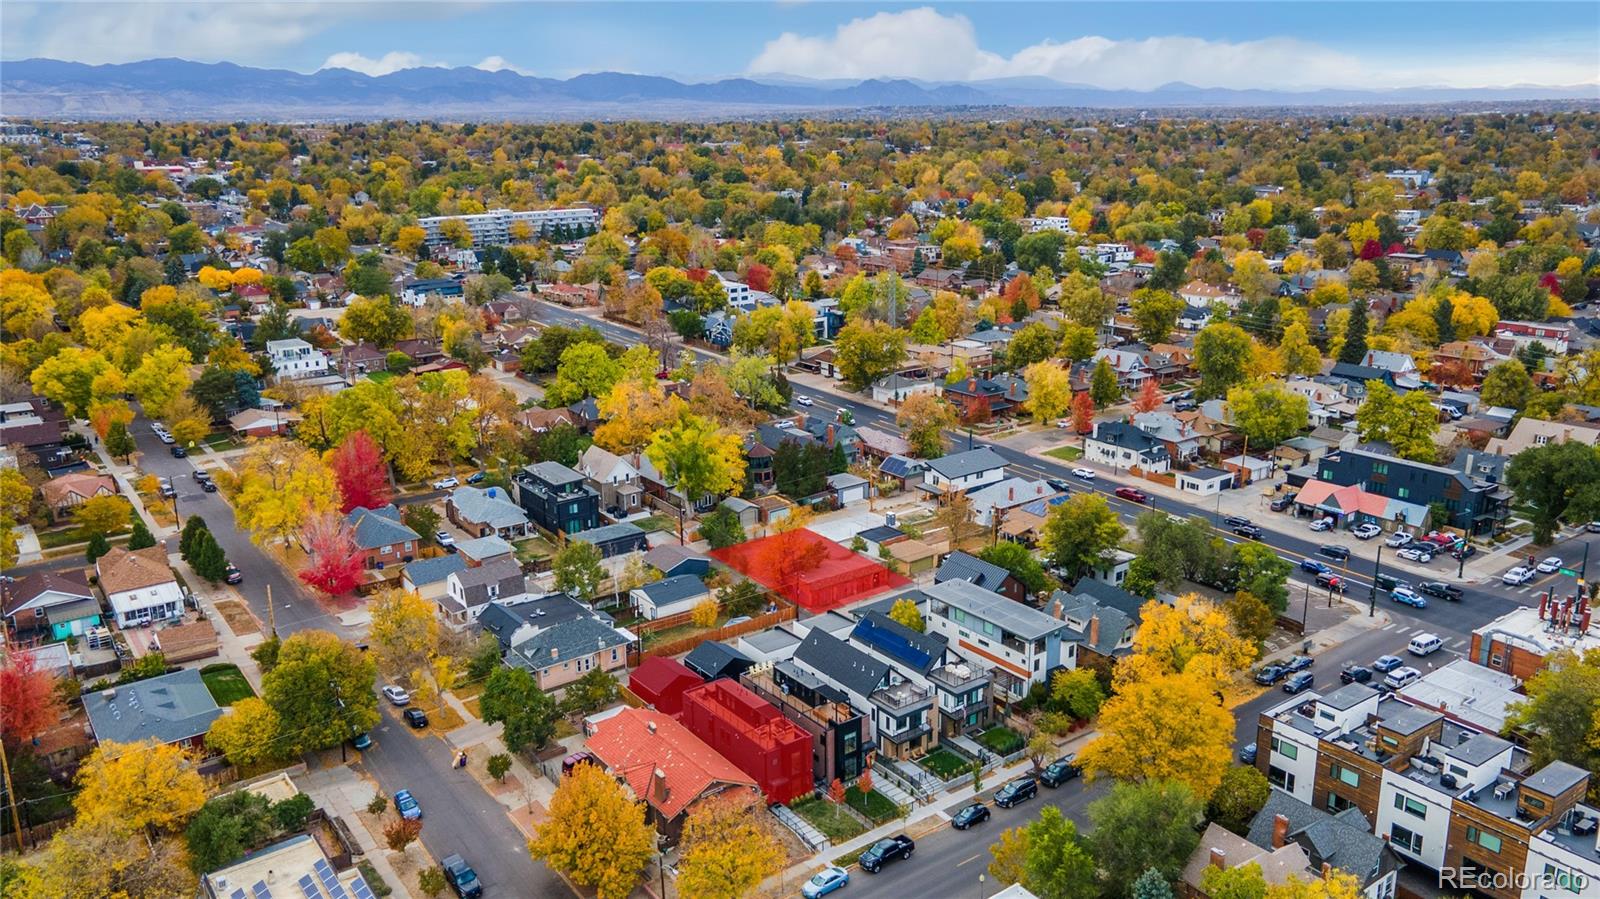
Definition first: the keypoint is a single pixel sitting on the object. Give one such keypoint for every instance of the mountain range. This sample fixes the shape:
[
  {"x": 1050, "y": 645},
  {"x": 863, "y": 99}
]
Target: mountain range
[{"x": 174, "y": 88}]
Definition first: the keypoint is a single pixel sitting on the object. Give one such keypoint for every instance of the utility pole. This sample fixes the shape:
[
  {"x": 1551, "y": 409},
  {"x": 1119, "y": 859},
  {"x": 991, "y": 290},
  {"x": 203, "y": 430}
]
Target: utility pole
[
  {"x": 272, "y": 614},
  {"x": 1372, "y": 596}
]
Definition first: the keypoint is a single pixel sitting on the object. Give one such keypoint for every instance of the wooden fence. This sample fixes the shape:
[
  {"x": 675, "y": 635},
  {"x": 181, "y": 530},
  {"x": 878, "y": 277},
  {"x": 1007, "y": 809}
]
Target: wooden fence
[{"x": 785, "y": 612}]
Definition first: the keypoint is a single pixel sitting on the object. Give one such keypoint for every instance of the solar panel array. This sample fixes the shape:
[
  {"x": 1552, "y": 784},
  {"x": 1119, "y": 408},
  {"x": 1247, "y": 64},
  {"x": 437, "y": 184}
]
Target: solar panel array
[
  {"x": 894, "y": 645},
  {"x": 309, "y": 887},
  {"x": 330, "y": 882},
  {"x": 260, "y": 891},
  {"x": 237, "y": 894},
  {"x": 360, "y": 888}
]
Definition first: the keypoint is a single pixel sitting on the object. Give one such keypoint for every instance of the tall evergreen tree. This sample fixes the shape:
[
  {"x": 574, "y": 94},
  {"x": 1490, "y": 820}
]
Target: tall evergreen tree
[
  {"x": 191, "y": 530},
  {"x": 1355, "y": 334},
  {"x": 97, "y": 547},
  {"x": 1444, "y": 318},
  {"x": 141, "y": 538}
]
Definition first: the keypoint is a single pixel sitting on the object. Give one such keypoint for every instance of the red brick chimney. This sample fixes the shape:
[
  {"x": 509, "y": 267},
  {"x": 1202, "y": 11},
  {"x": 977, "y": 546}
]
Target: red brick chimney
[
  {"x": 1280, "y": 831},
  {"x": 830, "y": 436},
  {"x": 1094, "y": 630},
  {"x": 1219, "y": 859},
  {"x": 1011, "y": 390},
  {"x": 1011, "y": 494},
  {"x": 972, "y": 385}
]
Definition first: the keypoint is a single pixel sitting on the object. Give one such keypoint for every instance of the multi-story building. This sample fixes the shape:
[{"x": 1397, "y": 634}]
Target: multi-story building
[
  {"x": 899, "y": 709},
  {"x": 1456, "y": 801},
  {"x": 961, "y": 472},
  {"x": 557, "y": 498},
  {"x": 926, "y": 659},
  {"x": 1477, "y": 507},
  {"x": 839, "y": 733},
  {"x": 294, "y": 358},
  {"x": 1519, "y": 641},
  {"x": 497, "y": 227},
  {"x": 1019, "y": 646},
  {"x": 750, "y": 732}
]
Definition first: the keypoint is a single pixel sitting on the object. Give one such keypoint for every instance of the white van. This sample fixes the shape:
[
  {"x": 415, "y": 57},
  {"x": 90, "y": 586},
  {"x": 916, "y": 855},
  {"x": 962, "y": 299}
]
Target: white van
[
  {"x": 1401, "y": 677},
  {"x": 1424, "y": 644}
]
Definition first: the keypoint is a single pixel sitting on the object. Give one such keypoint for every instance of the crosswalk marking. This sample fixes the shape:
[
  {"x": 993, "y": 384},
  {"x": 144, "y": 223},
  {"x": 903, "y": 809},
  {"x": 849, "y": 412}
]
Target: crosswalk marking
[{"x": 1388, "y": 627}]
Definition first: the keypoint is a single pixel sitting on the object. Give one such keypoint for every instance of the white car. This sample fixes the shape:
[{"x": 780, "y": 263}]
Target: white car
[
  {"x": 1549, "y": 565},
  {"x": 397, "y": 695},
  {"x": 443, "y": 538},
  {"x": 446, "y": 483},
  {"x": 1322, "y": 524},
  {"x": 801, "y": 399},
  {"x": 1516, "y": 576},
  {"x": 1399, "y": 538},
  {"x": 1083, "y": 474},
  {"x": 1416, "y": 554},
  {"x": 1366, "y": 531},
  {"x": 1063, "y": 422}
]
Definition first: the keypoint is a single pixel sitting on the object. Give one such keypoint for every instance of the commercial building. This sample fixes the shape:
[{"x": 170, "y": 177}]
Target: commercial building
[
  {"x": 750, "y": 732},
  {"x": 1519, "y": 642}
]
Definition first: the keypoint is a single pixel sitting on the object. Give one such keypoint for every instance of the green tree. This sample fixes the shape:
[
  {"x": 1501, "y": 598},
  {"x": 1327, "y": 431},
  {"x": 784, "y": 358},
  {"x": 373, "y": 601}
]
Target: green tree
[
  {"x": 1354, "y": 349},
  {"x": 1507, "y": 384},
  {"x": 1562, "y": 712},
  {"x": 1556, "y": 481},
  {"x": 375, "y": 320},
  {"x": 1262, "y": 573},
  {"x": 1151, "y": 885},
  {"x": 1222, "y": 353},
  {"x": 1142, "y": 826},
  {"x": 1017, "y": 559},
  {"x": 1058, "y": 864},
  {"x": 595, "y": 690},
  {"x": 1237, "y": 800},
  {"x": 528, "y": 715},
  {"x": 323, "y": 690},
  {"x": 498, "y": 766},
  {"x": 119, "y": 443},
  {"x": 1155, "y": 314},
  {"x": 1268, "y": 414},
  {"x": 1171, "y": 269},
  {"x": 865, "y": 351},
  {"x": 1103, "y": 387},
  {"x": 98, "y": 546},
  {"x": 140, "y": 537},
  {"x": 1079, "y": 532},
  {"x": 1035, "y": 342},
  {"x": 720, "y": 527},
  {"x": 905, "y": 612},
  {"x": 227, "y": 827},
  {"x": 1407, "y": 423},
  {"x": 1078, "y": 693},
  {"x": 578, "y": 570}
]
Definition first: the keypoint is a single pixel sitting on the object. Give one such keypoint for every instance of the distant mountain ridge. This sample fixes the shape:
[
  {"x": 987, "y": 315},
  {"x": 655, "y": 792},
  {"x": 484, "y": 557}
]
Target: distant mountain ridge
[{"x": 179, "y": 88}]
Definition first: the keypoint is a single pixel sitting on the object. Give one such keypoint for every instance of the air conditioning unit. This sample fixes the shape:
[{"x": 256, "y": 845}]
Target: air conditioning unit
[
  {"x": 1504, "y": 789},
  {"x": 1448, "y": 781}
]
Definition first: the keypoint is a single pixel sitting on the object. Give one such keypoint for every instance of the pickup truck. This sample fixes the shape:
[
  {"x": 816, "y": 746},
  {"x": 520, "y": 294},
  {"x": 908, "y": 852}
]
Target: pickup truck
[{"x": 461, "y": 877}]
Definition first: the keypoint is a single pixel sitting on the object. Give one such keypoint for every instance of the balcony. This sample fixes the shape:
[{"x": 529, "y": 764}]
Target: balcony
[
  {"x": 959, "y": 677},
  {"x": 903, "y": 695}
]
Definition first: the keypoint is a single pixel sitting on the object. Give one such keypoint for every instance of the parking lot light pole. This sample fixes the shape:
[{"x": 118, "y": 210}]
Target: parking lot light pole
[{"x": 1372, "y": 595}]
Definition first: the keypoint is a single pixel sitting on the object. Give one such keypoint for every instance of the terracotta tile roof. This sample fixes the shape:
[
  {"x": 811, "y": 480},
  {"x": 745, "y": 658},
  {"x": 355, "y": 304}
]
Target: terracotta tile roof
[
  {"x": 630, "y": 748},
  {"x": 130, "y": 569}
]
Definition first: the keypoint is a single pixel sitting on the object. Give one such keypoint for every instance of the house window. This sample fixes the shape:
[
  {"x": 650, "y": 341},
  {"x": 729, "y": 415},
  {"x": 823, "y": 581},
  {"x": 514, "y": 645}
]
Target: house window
[
  {"x": 1571, "y": 881},
  {"x": 1285, "y": 748},
  {"x": 1401, "y": 493},
  {"x": 1533, "y": 802},
  {"x": 1410, "y": 806},
  {"x": 1345, "y": 775},
  {"x": 1337, "y": 803},
  {"x": 1280, "y": 778},
  {"x": 1405, "y": 839},
  {"x": 1487, "y": 840},
  {"x": 386, "y": 550}
]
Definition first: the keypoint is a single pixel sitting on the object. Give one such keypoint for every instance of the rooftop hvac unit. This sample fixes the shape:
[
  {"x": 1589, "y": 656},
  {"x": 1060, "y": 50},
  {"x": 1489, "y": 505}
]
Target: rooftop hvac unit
[{"x": 1504, "y": 789}]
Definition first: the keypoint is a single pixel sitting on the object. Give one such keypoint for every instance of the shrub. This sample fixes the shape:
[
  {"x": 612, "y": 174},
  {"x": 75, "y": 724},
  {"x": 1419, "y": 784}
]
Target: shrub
[
  {"x": 378, "y": 804},
  {"x": 499, "y": 764},
  {"x": 400, "y": 832},
  {"x": 431, "y": 880}
]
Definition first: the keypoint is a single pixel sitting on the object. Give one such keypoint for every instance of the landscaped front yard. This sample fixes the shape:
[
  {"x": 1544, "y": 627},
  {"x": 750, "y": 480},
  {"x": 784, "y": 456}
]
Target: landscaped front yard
[
  {"x": 1001, "y": 740},
  {"x": 835, "y": 821},
  {"x": 226, "y": 683},
  {"x": 944, "y": 764},
  {"x": 873, "y": 804},
  {"x": 1066, "y": 453}
]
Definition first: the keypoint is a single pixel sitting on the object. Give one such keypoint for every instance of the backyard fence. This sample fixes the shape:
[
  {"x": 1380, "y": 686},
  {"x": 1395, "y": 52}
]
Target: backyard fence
[{"x": 784, "y": 612}]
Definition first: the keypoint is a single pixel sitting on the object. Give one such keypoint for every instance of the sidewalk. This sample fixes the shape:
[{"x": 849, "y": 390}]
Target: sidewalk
[
  {"x": 341, "y": 791},
  {"x": 525, "y": 792}
]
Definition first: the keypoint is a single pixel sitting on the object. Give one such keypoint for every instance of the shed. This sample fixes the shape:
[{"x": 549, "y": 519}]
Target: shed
[
  {"x": 1205, "y": 481},
  {"x": 661, "y": 681},
  {"x": 669, "y": 596},
  {"x": 712, "y": 660}
]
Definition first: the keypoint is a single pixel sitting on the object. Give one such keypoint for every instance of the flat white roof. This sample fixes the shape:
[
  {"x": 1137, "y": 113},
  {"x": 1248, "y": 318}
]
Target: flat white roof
[
  {"x": 1472, "y": 694},
  {"x": 1523, "y": 627}
]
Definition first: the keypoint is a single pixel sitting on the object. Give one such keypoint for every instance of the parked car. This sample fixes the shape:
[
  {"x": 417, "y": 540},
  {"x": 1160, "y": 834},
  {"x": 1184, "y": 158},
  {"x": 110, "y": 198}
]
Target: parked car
[
  {"x": 1060, "y": 771},
  {"x": 885, "y": 851},
  {"x": 1235, "y": 521},
  {"x": 208, "y": 485},
  {"x": 1352, "y": 673},
  {"x": 407, "y": 805},
  {"x": 476, "y": 477},
  {"x": 1401, "y": 677},
  {"x": 1330, "y": 581},
  {"x": 167, "y": 490},
  {"x": 1517, "y": 576},
  {"x": 1063, "y": 423},
  {"x": 1248, "y": 531},
  {"x": 1299, "y": 683},
  {"x": 1398, "y": 539},
  {"x": 362, "y": 740},
  {"x": 1185, "y": 406},
  {"x": 1248, "y": 754},
  {"x": 1282, "y": 502},
  {"x": 1270, "y": 674},
  {"x": 461, "y": 877},
  {"x": 1409, "y": 597},
  {"x": 1312, "y": 566},
  {"x": 1442, "y": 590},
  {"x": 1016, "y": 792},
  {"x": 1385, "y": 664},
  {"x": 417, "y": 718},
  {"x": 1337, "y": 553},
  {"x": 232, "y": 574},
  {"x": 1593, "y": 527},
  {"x": 826, "y": 881},
  {"x": 801, "y": 399},
  {"x": 1132, "y": 494},
  {"x": 1058, "y": 484},
  {"x": 1419, "y": 553},
  {"x": 1366, "y": 531},
  {"x": 1083, "y": 474},
  {"x": 179, "y": 452},
  {"x": 1440, "y": 538},
  {"x": 1388, "y": 582},
  {"x": 444, "y": 539},
  {"x": 446, "y": 483},
  {"x": 1425, "y": 644},
  {"x": 166, "y": 438},
  {"x": 976, "y": 813},
  {"x": 1298, "y": 663},
  {"x": 1463, "y": 551},
  {"x": 1548, "y": 565},
  {"x": 397, "y": 695},
  {"x": 1322, "y": 524}
]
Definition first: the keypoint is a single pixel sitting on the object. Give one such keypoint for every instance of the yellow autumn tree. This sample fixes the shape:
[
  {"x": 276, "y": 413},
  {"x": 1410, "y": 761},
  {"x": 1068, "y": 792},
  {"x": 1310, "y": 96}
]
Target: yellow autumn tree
[
  {"x": 282, "y": 485},
  {"x": 105, "y": 857},
  {"x": 1166, "y": 727},
  {"x": 405, "y": 632},
  {"x": 587, "y": 803},
  {"x": 247, "y": 735},
  {"x": 143, "y": 785},
  {"x": 215, "y": 278},
  {"x": 704, "y": 614},
  {"x": 728, "y": 848},
  {"x": 1191, "y": 636}
]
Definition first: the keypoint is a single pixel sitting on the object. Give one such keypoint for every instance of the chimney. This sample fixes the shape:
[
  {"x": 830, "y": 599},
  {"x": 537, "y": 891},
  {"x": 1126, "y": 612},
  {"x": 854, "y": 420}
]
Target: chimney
[
  {"x": 972, "y": 385},
  {"x": 1094, "y": 630},
  {"x": 554, "y": 653},
  {"x": 651, "y": 726},
  {"x": 1011, "y": 390},
  {"x": 1219, "y": 859},
  {"x": 1011, "y": 494},
  {"x": 1544, "y": 600},
  {"x": 1280, "y": 831},
  {"x": 830, "y": 435},
  {"x": 1055, "y": 610},
  {"x": 658, "y": 786}
]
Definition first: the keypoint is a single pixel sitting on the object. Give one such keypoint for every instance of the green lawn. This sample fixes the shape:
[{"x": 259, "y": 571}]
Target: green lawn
[
  {"x": 657, "y": 523},
  {"x": 1066, "y": 453},
  {"x": 834, "y": 821},
  {"x": 533, "y": 548},
  {"x": 381, "y": 376},
  {"x": 1002, "y": 740},
  {"x": 62, "y": 537},
  {"x": 944, "y": 764},
  {"x": 873, "y": 804},
  {"x": 850, "y": 858},
  {"x": 226, "y": 683},
  {"x": 220, "y": 440}
]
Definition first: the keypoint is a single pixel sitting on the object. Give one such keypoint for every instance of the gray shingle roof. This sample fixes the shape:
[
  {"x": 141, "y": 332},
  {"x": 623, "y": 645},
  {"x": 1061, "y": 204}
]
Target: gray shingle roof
[
  {"x": 841, "y": 663},
  {"x": 431, "y": 571},
  {"x": 1346, "y": 843},
  {"x": 168, "y": 708},
  {"x": 568, "y": 640},
  {"x": 379, "y": 527},
  {"x": 712, "y": 659},
  {"x": 959, "y": 566},
  {"x": 492, "y": 507},
  {"x": 674, "y": 589},
  {"x": 970, "y": 462},
  {"x": 609, "y": 532},
  {"x": 1110, "y": 596},
  {"x": 553, "y": 473}
]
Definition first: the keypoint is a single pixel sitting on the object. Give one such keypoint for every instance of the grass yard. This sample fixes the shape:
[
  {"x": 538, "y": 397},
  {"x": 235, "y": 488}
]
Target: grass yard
[
  {"x": 533, "y": 548},
  {"x": 1001, "y": 740},
  {"x": 61, "y": 537},
  {"x": 873, "y": 804},
  {"x": 850, "y": 858},
  {"x": 220, "y": 440},
  {"x": 1066, "y": 453},
  {"x": 226, "y": 683},
  {"x": 835, "y": 821},
  {"x": 944, "y": 764},
  {"x": 657, "y": 523}
]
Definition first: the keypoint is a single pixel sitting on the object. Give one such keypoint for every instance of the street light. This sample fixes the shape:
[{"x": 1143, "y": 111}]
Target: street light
[
  {"x": 980, "y": 885},
  {"x": 1372, "y": 595}
]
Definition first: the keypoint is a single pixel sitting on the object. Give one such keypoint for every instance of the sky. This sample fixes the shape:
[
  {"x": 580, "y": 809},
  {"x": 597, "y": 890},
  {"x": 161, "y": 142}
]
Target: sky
[{"x": 1288, "y": 44}]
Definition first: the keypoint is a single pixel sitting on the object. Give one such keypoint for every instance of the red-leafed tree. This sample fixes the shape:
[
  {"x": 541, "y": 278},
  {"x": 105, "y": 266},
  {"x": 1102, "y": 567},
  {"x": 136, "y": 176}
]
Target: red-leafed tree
[
  {"x": 1256, "y": 236},
  {"x": 1451, "y": 373},
  {"x": 758, "y": 276},
  {"x": 362, "y": 474},
  {"x": 1149, "y": 398},
  {"x": 335, "y": 561},
  {"x": 1083, "y": 412},
  {"x": 836, "y": 791},
  {"x": 1371, "y": 250},
  {"x": 28, "y": 701},
  {"x": 864, "y": 782}
]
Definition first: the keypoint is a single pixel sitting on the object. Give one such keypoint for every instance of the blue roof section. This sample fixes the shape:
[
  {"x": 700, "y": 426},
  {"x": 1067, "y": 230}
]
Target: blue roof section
[
  {"x": 959, "y": 566},
  {"x": 378, "y": 527},
  {"x": 914, "y": 651},
  {"x": 168, "y": 709},
  {"x": 432, "y": 571},
  {"x": 674, "y": 589}
]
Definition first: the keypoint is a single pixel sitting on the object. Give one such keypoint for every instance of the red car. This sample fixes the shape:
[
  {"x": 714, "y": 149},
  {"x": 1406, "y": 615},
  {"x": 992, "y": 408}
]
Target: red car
[{"x": 1132, "y": 495}]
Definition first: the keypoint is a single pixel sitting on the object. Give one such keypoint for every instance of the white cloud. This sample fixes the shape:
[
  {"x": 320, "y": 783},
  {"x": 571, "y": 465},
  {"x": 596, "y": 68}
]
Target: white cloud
[
  {"x": 925, "y": 44},
  {"x": 393, "y": 61},
  {"x": 203, "y": 31},
  {"x": 499, "y": 64}
]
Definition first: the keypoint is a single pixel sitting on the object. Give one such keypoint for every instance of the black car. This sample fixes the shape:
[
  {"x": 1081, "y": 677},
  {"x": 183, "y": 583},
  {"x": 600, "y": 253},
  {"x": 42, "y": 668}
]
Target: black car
[
  {"x": 975, "y": 813},
  {"x": 233, "y": 575},
  {"x": 179, "y": 452},
  {"x": 1282, "y": 502},
  {"x": 1270, "y": 674},
  {"x": 1442, "y": 590},
  {"x": 415, "y": 717},
  {"x": 1464, "y": 551},
  {"x": 208, "y": 485},
  {"x": 1248, "y": 531},
  {"x": 1334, "y": 552},
  {"x": 1059, "y": 772},
  {"x": 1018, "y": 791},
  {"x": 461, "y": 877},
  {"x": 1058, "y": 484},
  {"x": 1298, "y": 663},
  {"x": 1234, "y": 521},
  {"x": 1355, "y": 674},
  {"x": 476, "y": 477},
  {"x": 1299, "y": 683},
  {"x": 886, "y": 851}
]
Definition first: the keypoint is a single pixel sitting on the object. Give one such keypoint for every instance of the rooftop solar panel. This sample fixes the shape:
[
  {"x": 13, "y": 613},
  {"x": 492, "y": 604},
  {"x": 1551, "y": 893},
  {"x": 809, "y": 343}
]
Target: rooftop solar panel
[
  {"x": 237, "y": 894},
  {"x": 260, "y": 891},
  {"x": 360, "y": 888},
  {"x": 309, "y": 887}
]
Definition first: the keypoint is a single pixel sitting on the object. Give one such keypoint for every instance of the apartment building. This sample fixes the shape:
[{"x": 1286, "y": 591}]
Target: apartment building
[
  {"x": 1456, "y": 801},
  {"x": 497, "y": 227},
  {"x": 899, "y": 708},
  {"x": 928, "y": 661},
  {"x": 1019, "y": 646},
  {"x": 295, "y": 358}
]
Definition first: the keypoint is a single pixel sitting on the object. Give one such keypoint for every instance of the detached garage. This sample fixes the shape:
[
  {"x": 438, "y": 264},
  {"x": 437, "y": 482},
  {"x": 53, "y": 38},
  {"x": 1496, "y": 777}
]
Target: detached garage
[{"x": 1205, "y": 481}]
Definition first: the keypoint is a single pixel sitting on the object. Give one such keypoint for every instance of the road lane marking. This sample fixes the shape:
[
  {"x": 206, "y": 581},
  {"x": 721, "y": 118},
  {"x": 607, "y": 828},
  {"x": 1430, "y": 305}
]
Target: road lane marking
[{"x": 973, "y": 859}]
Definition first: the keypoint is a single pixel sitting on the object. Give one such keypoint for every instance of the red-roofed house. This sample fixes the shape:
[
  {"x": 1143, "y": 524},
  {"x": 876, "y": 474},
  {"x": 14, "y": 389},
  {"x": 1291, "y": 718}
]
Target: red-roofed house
[
  {"x": 1350, "y": 505},
  {"x": 754, "y": 735},
  {"x": 661, "y": 681},
  {"x": 664, "y": 764}
]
